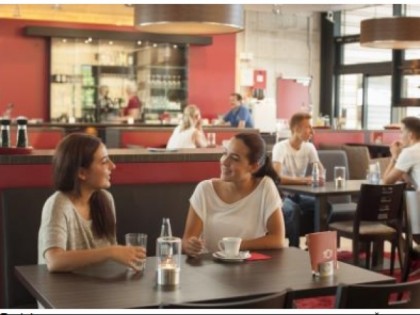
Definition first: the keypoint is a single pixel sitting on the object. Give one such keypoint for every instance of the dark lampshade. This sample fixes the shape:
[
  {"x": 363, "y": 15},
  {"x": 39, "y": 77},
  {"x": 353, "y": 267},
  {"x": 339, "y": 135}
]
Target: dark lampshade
[
  {"x": 400, "y": 32},
  {"x": 189, "y": 19}
]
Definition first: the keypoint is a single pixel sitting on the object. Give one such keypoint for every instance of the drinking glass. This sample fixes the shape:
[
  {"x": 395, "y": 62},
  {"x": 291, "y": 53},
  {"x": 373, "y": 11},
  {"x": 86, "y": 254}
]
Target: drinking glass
[{"x": 340, "y": 176}]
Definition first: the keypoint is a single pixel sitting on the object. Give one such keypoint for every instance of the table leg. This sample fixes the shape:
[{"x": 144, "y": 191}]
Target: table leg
[{"x": 321, "y": 213}]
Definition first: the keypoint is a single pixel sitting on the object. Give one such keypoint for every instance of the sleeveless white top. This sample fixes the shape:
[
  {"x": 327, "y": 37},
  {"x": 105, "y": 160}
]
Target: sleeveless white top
[{"x": 181, "y": 139}]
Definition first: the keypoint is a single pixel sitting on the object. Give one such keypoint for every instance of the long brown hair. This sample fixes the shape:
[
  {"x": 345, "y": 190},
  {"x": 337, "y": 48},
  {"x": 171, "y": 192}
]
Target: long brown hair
[{"x": 73, "y": 152}]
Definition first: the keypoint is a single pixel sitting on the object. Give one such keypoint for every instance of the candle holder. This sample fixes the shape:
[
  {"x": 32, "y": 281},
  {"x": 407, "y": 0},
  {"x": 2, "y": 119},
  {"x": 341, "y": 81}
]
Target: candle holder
[
  {"x": 168, "y": 252},
  {"x": 340, "y": 176}
]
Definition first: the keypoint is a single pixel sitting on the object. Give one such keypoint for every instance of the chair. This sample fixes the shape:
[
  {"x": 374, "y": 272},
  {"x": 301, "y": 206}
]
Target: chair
[
  {"x": 341, "y": 207},
  {"x": 379, "y": 296},
  {"x": 273, "y": 300},
  {"x": 411, "y": 247},
  {"x": 377, "y": 219}
]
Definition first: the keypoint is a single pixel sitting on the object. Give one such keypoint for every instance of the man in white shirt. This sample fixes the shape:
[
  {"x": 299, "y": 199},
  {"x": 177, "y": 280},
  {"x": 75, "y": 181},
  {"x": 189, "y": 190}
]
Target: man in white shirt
[
  {"x": 405, "y": 155},
  {"x": 291, "y": 158}
]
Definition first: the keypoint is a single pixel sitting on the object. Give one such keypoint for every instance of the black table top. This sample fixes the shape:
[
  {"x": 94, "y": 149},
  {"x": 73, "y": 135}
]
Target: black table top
[{"x": 110, "y": 285}]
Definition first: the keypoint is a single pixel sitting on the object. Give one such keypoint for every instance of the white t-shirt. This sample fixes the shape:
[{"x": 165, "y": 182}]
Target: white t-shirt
[
  {"x": 409, "y": 162},
  {"x": 294, "y": 162},
  {"x": 246, "y": 218},
  {"x": 181, "y": 139}
]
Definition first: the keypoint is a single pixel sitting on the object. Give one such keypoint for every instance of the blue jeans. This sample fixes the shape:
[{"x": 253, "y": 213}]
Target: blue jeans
[{"x": 293, "y": 207}]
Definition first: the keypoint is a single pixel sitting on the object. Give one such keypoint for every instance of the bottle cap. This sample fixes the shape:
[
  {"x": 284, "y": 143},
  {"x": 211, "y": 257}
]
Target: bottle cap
[
  {"x": 22, "y": 120},
  {"x": 5, "y": 121}
]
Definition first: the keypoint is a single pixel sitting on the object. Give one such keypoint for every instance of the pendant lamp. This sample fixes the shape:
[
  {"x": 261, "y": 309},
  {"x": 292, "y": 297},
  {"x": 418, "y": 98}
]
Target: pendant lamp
[
  {"x": 399, "y": 32},
  {"x": 189, "y": 19}
]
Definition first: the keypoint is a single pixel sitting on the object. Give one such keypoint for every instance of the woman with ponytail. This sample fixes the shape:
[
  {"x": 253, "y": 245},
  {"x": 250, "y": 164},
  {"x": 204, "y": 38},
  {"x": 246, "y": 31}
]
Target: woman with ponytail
[{"x": 244, "y": 202}]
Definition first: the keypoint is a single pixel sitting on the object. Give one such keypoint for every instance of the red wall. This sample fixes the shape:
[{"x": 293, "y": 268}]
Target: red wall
[
  {"x": 24, "y": 69},
  {"x": 290, "y": 97},
  {"x": 212, "y": 75}
]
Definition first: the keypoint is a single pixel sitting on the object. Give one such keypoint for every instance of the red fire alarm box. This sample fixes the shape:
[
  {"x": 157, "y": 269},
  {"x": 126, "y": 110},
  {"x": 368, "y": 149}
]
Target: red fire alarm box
[{"x": 260, "y": 79}]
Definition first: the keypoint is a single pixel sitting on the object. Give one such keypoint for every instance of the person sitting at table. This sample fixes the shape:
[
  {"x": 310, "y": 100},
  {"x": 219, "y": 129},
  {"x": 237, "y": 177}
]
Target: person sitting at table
[
  {"x": 244, "y": 202},
  {"x": 189, "y": 133},
  {"x": 291, "y": 158},
  {"x": 239, "y": 116},
  {"x": 405, "y": 155},
  {"x": 78, "y": 220}
]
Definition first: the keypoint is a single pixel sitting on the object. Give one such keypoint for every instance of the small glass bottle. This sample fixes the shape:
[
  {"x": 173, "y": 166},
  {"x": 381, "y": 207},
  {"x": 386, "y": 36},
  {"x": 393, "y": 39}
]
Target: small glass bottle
[
  {"x": 165, "y": 233},
  {"x": 22, "y": 133},
  {"x": 5, "y": 132},
  {"x": 315, "y": 175},
  {"x": 166, "y": 228}
]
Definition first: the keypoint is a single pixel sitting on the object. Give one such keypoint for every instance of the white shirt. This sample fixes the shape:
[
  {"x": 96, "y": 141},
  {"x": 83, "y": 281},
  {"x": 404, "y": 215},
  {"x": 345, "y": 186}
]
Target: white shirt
[
  {"x": 409, "y": 162},
  {"x": 181, "y": 139},
  {"x": 246, "y": 218},
  {"x": 294, "y": 162}
]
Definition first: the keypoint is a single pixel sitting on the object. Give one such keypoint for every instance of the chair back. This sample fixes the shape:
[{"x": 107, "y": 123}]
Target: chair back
[
  {"x": 272, "y": 300},
  {"x": 380, "y": 203},
  {"x": 379, "y": 296},
  {"x": 330, "y": 159},
  {"x": 412, "y": 202}
]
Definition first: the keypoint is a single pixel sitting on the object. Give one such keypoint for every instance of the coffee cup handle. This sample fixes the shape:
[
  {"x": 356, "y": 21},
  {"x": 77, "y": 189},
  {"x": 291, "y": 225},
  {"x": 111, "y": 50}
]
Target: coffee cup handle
[{"x": 220, "y": 245}]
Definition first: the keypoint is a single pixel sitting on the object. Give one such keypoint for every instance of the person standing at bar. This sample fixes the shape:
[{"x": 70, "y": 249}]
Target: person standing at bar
[
  {"x": 78, "y": 220},
  {"x": 291, "y": 158},
  {"x": 405, "y": 155},
  {"x": 239, "y": 116},
  {"x": 134, "y": 106}
]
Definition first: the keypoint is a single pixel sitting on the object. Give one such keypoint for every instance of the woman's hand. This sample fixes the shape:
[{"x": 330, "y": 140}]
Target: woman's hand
[
  {"x": 129, "y": 255},
  {"x": 193, "y": 246}
]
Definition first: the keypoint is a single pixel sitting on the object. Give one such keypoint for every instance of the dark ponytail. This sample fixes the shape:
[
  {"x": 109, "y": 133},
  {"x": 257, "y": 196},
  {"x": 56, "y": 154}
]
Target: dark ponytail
[
  {"x": 258, "y": 154},
  {"x": 267, "y": 169}
]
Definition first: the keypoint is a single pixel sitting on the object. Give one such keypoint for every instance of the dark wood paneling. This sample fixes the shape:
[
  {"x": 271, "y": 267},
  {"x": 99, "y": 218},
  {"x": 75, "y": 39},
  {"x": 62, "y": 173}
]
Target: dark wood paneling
[{"x": 45, "y": 31}]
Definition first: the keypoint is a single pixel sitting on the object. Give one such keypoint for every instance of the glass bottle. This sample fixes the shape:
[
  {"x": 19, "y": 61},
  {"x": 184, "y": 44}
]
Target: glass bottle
[
  {"x": 165, "y": 234},
  {"x": 5, "y": 132},
  {"x": 22, "y": 134},
  {"x": 315, "y": 174},
  {"x": 166, "y": 228}
]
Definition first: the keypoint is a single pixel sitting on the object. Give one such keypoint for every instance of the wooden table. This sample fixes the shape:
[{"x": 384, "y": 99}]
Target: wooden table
[
  {"x": 321, "y": 195},
  {"x": 110, "y": 285}
]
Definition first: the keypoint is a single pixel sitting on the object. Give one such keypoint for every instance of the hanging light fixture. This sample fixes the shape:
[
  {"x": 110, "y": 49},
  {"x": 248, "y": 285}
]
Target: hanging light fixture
[
  {"x": 400, "y": 32},
  {"x": 189, "y": 19}
]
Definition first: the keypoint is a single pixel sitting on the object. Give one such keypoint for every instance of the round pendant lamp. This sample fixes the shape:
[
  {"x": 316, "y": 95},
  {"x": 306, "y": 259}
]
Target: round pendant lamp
[
  {"x": 189, "y": 19},
  {"x": 400, "y": 32}
]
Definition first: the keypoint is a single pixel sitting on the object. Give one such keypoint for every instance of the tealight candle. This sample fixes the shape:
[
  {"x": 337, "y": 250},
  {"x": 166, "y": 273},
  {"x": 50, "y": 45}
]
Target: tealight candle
[{"x": 339, "y": 182}]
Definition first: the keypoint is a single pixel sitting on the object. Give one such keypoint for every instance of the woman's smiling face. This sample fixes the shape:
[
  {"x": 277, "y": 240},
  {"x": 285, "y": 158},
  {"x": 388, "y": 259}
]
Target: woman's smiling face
[{"x": 234, "y": 162}]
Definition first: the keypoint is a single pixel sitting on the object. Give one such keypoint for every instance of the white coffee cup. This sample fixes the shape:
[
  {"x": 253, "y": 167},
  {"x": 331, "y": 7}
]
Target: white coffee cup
[{"x": 230, "y": 246}]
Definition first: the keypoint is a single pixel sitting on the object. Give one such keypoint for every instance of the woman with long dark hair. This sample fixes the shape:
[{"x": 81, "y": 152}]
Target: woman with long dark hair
[
  {"x": 244, "y": 202},
  {"x": 78, "y": 220}
]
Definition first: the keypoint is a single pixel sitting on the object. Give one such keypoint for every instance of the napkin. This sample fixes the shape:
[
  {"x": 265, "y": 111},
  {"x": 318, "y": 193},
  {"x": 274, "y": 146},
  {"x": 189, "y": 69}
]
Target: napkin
[{"x": 258, "y": 256}]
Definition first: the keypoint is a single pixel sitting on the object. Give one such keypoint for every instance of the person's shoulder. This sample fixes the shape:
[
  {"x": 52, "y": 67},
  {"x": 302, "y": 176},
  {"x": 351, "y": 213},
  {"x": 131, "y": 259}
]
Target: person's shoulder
[
  {"x": 281, "y": 144},
  {"x": 57, "y": 202},
  {"x": 309, "y": 145}
]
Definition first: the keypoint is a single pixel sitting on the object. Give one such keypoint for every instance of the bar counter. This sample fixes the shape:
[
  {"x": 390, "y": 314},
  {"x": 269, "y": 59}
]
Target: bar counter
[{"x": 146, "y": 186}]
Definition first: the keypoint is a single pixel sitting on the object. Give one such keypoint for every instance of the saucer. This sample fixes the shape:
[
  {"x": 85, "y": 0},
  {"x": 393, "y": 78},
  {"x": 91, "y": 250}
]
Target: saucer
[{"x": 241, "y": 257}]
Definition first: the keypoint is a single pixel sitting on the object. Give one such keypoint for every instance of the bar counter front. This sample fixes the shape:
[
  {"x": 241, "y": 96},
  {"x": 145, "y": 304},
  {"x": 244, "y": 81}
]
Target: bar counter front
[{"x": 146, "y": 187}]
